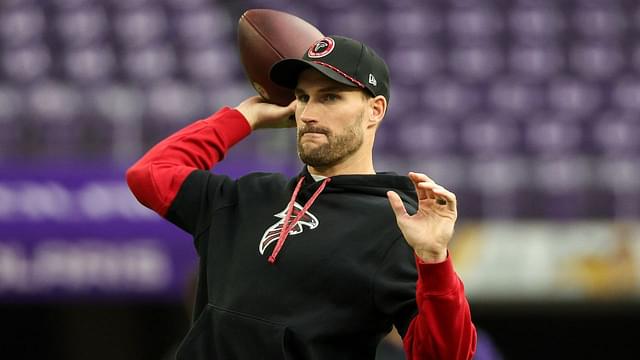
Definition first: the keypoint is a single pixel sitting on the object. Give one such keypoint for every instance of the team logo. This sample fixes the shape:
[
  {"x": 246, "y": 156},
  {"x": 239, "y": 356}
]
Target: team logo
[
  {"x": 372, "y": 80},
  {"x": 272, "y": 234},
  {"x": 321, "y": 48}
]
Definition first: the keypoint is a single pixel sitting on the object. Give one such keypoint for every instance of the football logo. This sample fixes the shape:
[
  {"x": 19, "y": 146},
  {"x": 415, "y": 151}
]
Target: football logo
[
  {"x": 321, "y": 48},
  {"x": 272, "y": 234}
]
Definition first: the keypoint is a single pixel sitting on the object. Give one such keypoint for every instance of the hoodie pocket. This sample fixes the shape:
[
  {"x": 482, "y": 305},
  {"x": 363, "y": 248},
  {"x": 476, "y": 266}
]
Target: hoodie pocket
[{"x": 221, "y": 334}]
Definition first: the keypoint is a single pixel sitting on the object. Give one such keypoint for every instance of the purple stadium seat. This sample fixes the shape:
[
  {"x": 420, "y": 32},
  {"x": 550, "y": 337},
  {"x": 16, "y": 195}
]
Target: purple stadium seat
[
  {"x": 21, "y": 25},
  {"x": 414, "y": 25},
  {"x": 546, "y": 137},
  {"x": 476, "y": 62},
  {"x": 27, "y": 64},
  {"x": 606, "y": 21},
  {"x": 489, "y": 134},
  {"x": 82, "y": 27},
  {"x": 118, "y": 102},
  {"x": 617, "y": 134},
  {"x": 414, "y": 64},
  {"x": 515, "y": 95},
  {"x": 626, "y": 93},
  {"x": 474, "y": 23},
  {"x": 450, "y": 97},
  {"x": 210, "y": 65},
  {"x": 536, "y": 21},
  {"x": 574, "y": 95},
  {"x": 176, "y": 102},
  {"x": 426, "y": 134},
  {"x": 91, "y": 64},
  {"x": 536, "y": 62},
  {"x": 150, "y": 64},
  {"x": 140, "y": 27},
  {"x": 619, "y": 174},
  {"x": 202, "y": 27},
  {"x": 596, "y": 61}
]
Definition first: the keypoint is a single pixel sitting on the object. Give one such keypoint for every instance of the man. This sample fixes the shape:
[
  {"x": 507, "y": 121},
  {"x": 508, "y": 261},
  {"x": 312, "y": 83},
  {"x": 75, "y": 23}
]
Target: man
[{"x": 320, "y": 266}]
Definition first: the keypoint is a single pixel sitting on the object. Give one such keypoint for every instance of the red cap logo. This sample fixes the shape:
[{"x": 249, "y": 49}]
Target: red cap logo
[{"x": 321, "y": 48}]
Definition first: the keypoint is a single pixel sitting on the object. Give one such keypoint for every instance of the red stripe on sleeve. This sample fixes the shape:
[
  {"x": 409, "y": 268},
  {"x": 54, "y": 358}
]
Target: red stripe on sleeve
[{"x": 156, "y": 178}]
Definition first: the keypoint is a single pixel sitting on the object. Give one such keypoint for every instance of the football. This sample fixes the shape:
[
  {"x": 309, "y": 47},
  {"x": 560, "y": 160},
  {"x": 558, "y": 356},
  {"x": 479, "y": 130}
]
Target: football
[{"x": 264, "y": 38}]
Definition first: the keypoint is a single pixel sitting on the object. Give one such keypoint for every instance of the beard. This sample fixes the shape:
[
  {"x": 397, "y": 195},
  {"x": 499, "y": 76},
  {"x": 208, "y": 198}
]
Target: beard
[{"x": 337, "y": 148}]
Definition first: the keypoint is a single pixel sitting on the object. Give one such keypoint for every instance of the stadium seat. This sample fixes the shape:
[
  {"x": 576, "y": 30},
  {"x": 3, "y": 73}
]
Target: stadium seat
[
  {"x": 150, "y": 64},
  {"x": 90, "y": 65},
  {"x": 21, "y": 26},
  {"x": 82, "y": 27},
  {"x": 27, "y": 64}
]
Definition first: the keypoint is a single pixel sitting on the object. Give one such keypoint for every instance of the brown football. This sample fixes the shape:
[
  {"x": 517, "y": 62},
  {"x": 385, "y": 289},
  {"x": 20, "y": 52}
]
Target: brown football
[{"x": 264, "y": 38}]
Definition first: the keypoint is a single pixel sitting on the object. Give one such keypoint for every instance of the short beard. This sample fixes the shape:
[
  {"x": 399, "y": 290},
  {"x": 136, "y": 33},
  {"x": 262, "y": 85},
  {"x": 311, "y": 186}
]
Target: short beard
[{"x": 338, "y": 147}]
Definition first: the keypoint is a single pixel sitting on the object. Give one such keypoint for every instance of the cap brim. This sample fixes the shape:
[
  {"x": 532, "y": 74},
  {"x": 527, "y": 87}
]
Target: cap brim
[{"x": 285, "y": 72}]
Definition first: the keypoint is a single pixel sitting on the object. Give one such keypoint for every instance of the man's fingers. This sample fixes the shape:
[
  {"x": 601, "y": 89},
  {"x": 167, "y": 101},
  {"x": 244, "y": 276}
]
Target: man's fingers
[
  {"x": 440, "y": 194},
  {"x": 396, "y": 204}
]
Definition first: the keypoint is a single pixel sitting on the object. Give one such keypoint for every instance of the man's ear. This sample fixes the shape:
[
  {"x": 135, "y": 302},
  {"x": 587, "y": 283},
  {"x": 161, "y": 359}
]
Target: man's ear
[{"x": 378, "y": 108}]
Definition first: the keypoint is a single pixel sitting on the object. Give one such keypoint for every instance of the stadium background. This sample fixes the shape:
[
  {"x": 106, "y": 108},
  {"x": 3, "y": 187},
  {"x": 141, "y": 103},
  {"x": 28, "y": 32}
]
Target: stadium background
[{"x": 527, "y": 109}]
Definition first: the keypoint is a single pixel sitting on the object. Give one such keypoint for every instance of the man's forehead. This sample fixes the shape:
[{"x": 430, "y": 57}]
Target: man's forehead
[{"x": 311, "y": 79}]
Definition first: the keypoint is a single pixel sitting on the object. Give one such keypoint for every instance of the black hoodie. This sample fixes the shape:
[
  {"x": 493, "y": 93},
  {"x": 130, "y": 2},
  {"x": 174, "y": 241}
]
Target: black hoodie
[{"x": 342, "y": 278}]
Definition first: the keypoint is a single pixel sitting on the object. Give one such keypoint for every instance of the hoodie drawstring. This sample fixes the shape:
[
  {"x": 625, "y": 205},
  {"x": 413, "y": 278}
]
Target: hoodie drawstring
[{"x": 288, "y": 223}]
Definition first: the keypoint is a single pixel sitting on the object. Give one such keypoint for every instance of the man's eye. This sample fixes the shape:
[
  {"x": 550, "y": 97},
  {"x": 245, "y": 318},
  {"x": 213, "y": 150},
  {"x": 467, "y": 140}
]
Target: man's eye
[
  {"x": 303, "y": 98},
  {"x": 331, "y": 97}
]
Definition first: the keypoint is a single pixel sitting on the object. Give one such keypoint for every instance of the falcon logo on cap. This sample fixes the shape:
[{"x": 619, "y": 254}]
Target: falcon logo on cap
[{"x": 321, "y": 48}]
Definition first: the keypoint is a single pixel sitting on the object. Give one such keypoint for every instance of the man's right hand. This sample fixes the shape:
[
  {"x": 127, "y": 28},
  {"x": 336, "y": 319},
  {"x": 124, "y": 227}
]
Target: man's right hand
[{"x": 261, "y": 114}]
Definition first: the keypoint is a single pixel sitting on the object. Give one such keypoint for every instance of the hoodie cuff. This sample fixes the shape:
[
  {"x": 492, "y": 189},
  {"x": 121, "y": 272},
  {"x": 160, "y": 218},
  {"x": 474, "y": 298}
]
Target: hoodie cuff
[
  {"x": 234, "y": 123},
  {"x": 436, "y": 279}
]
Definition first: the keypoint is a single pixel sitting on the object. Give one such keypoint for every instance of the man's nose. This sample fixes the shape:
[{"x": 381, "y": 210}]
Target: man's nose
[{"x": 309, "y": 113}]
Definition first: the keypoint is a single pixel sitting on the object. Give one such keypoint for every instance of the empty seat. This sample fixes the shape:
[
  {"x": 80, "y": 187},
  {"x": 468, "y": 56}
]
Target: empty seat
[
  {"x": 489, "y": 134},
  {"x": 617, "y": 133},
  {"x": 478, "y": 23},
  {"x": 409, "y": 26},
  {"x": 11, "y": 105},
  {"x": 118, "y": 102},
  {"x": 537, "y": 62},
  {"x": 414, "y": 64},
  {"x": 426, "y": 134},
  {"x": 574, "y": 95},
  {"x": 604, "y": 22},
  {"x": 176, "y": 102},
  {"x": 538, "y": 23},
  {"x": 140, "y": 27},
  {"x": 213, "y": 64},
  {"x": 91, "y": 64},
  {"x": 21, "y": 26},
  {"x": 150, "y": 64},
  {"x": 449, "y": 96},
  {"x": 82, "y": 27},
  {"x": 27, "y": 64},
  {"x": 626, "y": 93},
  {"x": 549, "y": 137},
  {"x": 55, "y": 102},
  {"x": 202, "y": 27},
  {"x": 476, "y": 62},
  {"x": 515, "y": 95},
  {"x": 504, "y": 174},
  {"x": 564, "y": 174},
  {"x": 597, "y": 61},
  {"x": 619, "y": 174}
]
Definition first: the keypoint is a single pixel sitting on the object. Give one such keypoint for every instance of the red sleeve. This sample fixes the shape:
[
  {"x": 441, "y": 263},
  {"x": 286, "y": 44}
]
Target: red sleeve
[
  {"x": 442, "y": 329},
  {"x": 156, "y": 178}
]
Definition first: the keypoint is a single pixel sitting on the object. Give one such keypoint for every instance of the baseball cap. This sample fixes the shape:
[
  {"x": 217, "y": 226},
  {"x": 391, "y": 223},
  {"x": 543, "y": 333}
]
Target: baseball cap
[{"x": 345, "y": 60}]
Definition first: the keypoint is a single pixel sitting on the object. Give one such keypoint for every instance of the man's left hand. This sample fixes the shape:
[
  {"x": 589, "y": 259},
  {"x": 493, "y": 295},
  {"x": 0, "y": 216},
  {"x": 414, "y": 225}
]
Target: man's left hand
[{"x": 430, "y": 229}]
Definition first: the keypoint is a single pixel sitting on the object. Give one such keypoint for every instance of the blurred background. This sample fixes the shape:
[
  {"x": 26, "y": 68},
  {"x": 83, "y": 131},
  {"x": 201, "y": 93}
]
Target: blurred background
[{"x": 527, "y": 109}]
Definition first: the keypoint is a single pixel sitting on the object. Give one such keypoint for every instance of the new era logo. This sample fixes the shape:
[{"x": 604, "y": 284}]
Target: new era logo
[{"x": 372, "y": 80}]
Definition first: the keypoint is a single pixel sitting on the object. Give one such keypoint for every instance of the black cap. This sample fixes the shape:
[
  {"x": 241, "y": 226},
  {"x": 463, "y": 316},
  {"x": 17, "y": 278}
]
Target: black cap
[{"x": 342, "y": 59}]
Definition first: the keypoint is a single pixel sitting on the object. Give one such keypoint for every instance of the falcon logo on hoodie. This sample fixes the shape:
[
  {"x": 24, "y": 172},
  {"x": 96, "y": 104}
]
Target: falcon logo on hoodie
[{"x": 272, "y": 234}]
